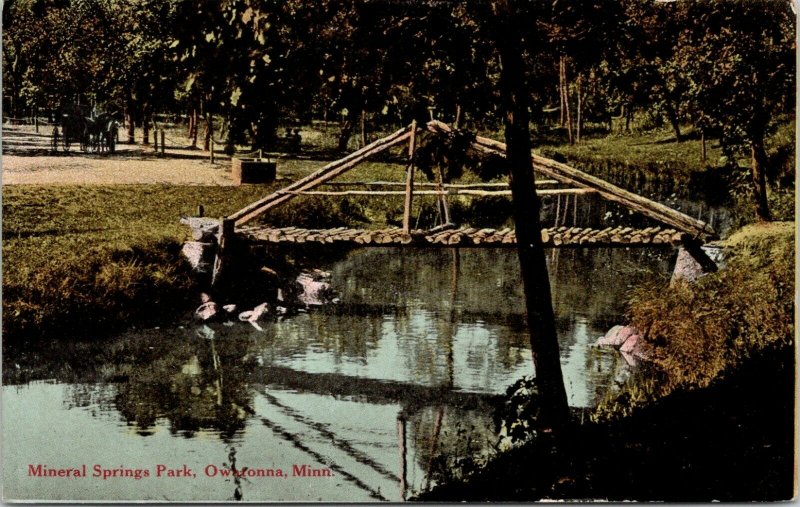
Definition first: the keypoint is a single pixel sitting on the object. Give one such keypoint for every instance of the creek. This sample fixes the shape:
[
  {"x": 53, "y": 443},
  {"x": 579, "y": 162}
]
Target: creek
[{"x": 377, "y": 397}]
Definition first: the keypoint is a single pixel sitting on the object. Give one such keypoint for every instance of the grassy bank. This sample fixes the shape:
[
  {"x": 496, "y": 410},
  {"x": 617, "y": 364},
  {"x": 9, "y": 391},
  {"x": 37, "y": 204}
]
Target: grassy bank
[
  {"x": 80, "y": 260},
  {"x": 703, "y": 332}
]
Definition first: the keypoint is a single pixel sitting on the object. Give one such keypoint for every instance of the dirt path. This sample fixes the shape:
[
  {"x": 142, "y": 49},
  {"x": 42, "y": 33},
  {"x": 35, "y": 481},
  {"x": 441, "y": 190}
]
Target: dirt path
[{"x": 28, "y": 160}]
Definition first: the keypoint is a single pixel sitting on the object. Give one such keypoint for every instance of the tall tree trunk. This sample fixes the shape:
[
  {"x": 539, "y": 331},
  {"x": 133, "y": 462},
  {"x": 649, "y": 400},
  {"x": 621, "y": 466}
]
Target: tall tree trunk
[
  {"x": 145, "y": 127},
  {"x": 758, "y": 169},
  {"x": 193, "y": 133},
  {"x": 628, "y": 117},
  {"x": 579, "y": 126},
  {"x": 190, "y": 124},
  {"x": 673, "y": 120},
  {"x": 566, "y": 105},
  {"x": 131, "y": 115},
  {"x": 554, "y": 412},
  {"x": 703, "y": 143},
  {"x": 562, "y": 117},
  {"x": 363, "y": 128},
  {"x": 346, "y": 130},
  {"x": 207, "y": 133}
]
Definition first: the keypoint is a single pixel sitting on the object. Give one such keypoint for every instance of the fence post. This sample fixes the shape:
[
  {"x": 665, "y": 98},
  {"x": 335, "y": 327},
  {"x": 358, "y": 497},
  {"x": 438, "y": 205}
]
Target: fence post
[
  {"x": 162, "y": 141},
  {"x": 36, "y": 122},
  {"x": 211, "y": 146},
  {"x": 155, "y": 140}
]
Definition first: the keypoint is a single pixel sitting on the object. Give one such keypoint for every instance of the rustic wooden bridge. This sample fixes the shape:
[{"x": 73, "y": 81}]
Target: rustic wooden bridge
[
  {"x": 465, "y": 236},
  {"x": 552, "y": 178}
]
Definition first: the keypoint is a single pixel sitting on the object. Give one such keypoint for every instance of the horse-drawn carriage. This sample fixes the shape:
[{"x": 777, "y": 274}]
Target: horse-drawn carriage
[{"x": 91, "y": 132}]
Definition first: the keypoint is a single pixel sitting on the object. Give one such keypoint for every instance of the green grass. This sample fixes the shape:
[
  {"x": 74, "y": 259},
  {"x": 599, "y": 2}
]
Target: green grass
[
  {"x": 655, "y": 150},
  {"x": 90, "y": 259},
  {"x": 654, "y": 155}
]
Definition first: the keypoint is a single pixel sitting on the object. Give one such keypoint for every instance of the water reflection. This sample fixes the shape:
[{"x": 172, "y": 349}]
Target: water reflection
[{"x": 390, "y": 392}]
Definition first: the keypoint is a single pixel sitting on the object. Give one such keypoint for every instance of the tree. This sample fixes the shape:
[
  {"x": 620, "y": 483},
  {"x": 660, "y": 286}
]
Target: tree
[
  {"x": 541, "y": 320},
  {"x": 739, "y": 63}
]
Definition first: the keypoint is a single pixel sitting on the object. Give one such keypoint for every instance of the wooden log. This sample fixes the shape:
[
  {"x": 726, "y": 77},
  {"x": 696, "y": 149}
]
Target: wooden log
[
  {"x": 498, "y": 236},
  {"x": 436, "y": 238},
  {"x": 570, "y": 175},
  {"x": 481, "y": 235},
  {"x": 320, "y": 176},
  {"x": 471, "y": 193},
  {"x": 456, "y": 238},
  {"x": 428, "y": 185},
  {"x": 545, "y": 236}
]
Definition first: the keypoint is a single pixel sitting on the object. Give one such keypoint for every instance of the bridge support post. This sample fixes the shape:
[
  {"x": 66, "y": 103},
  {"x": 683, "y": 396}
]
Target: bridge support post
[
  {"x": 412, "y": 147},
  {"x": 224, "y": 241},
  {"x": 693, "y": 261}
]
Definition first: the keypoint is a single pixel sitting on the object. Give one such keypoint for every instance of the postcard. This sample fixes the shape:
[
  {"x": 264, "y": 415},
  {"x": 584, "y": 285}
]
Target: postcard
[{"x": 398, "y": 250}]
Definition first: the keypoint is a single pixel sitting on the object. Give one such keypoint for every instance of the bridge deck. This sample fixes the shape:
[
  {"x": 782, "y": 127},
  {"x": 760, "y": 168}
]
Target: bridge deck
[{"x": 465, "y": 236}]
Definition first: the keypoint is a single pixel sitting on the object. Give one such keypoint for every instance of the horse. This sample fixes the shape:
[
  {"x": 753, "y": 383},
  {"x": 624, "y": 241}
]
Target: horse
[{"x": 107, "y": 128}]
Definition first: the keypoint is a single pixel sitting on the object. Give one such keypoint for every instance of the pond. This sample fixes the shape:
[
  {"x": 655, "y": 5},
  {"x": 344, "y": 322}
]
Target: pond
[{"x": 374, "y": 398}]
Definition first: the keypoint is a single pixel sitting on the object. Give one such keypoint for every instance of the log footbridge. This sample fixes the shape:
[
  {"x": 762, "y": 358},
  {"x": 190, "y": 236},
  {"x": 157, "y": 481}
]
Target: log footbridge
[{"x": 552, "y": 178}]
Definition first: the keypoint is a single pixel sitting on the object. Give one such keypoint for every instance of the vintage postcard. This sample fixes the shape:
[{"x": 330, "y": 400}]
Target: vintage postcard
[{"x": 398, "y": 250}]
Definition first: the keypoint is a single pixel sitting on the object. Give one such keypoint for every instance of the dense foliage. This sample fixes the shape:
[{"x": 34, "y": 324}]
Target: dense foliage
[
  {"x": 723, "y": 69},
  {"x": 704, "y": 332}
]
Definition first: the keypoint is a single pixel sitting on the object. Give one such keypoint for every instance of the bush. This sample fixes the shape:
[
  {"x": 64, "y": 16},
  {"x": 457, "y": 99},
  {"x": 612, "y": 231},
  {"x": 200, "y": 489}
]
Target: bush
[
  {"x": 703, "y": 332},
  {"x": 102, "y": 290}
]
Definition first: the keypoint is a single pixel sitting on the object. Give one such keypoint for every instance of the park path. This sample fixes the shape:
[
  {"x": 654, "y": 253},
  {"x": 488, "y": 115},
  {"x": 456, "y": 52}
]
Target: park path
[{"x": 27, "y": 160}]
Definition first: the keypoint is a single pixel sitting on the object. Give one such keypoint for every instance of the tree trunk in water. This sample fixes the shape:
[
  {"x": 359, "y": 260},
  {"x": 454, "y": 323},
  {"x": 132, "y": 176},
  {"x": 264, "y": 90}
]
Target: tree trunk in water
[
  {"x": 758, "y": 169},
  {"x": 554, "y": 412}
]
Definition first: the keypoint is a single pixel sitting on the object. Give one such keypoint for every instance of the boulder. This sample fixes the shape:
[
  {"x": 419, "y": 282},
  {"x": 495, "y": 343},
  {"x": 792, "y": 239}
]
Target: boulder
[
  {"x": 616, "y": 336},
  {"x": 688, "y": 269},
  {"x": 254, "y": 314},
  {"x": 315, "y": 288}
]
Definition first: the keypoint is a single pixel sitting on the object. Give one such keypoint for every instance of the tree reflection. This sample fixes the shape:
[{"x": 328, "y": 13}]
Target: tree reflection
[{"x": 199, "y": 384}]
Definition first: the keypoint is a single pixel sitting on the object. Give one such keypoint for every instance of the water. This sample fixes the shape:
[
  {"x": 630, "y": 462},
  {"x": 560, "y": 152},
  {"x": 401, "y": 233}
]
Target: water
[{"x": 378, "y": 397}]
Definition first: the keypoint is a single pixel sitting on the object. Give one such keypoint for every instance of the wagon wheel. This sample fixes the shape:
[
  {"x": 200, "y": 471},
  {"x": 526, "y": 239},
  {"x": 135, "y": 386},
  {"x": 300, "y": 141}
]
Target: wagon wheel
[{"x": 54, "y": 140}]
